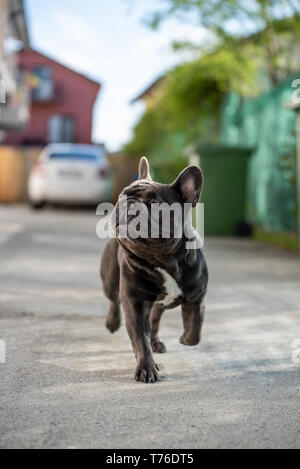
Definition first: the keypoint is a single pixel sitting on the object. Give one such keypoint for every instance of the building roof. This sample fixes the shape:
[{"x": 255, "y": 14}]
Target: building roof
[
  {"x": 69, "y": 69},
  {"x": 19, "y": 21},
  {"x": 148, "y": 90}
]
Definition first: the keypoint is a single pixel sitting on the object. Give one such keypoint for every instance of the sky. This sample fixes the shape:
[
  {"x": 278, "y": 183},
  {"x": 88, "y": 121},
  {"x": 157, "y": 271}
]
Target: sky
[{"x": 108, "y": 41}]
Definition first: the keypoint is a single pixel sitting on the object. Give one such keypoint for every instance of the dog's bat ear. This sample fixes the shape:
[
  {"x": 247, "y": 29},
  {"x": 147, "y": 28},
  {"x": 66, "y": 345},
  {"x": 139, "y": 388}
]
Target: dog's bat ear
[
  {"x": 190, "y": 184},
  {"x": 144, "y": 170}
]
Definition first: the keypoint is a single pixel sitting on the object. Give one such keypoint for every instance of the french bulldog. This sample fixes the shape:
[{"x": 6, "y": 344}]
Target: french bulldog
[{"x": 148, "y": 275}]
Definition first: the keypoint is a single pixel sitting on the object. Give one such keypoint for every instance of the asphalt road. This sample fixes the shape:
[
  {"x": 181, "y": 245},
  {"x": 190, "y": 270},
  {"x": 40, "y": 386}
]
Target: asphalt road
[{"x": 67, "y": 383}]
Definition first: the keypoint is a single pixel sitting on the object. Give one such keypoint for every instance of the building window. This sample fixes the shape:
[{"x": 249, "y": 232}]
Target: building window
[
  {"x": 42, "y": 84},
  {"x": 61, "y": 129}
]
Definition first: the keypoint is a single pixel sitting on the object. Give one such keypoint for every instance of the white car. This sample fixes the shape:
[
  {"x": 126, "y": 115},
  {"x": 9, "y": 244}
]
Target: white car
[{"x": 70, "y": 173}]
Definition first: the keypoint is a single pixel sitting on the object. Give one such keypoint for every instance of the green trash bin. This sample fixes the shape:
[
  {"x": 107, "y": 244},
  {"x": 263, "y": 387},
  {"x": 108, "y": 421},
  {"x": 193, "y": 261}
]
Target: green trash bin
[{"x": 225, "y": 187}]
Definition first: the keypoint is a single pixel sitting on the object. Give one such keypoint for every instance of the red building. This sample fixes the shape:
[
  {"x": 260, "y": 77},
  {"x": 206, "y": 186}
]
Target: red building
[{"x": 62, "y": 103}]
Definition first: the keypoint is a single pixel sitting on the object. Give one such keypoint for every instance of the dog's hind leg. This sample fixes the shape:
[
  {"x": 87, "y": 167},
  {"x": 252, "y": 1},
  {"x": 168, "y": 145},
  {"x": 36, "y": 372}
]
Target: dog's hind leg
[
  {"x": 110, "y": 274},
  {"x": 155, "y": 316}
]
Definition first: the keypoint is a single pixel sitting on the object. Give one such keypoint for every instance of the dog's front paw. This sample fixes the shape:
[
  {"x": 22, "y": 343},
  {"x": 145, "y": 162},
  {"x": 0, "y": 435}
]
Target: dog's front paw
[
  {"x": 113, "y": 320},
  {"x": 113, "y": 324},
  {"x": 158, "y": 346},
  {"x": 147, "y": 371},
  {"x": 189, "y": 341}
]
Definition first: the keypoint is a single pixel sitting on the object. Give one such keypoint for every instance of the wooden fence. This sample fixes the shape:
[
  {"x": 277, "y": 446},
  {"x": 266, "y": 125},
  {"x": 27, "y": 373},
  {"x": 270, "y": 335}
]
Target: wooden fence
[
  {"x": 15, "y": 166},
  {"x": 125, "y": 171}
]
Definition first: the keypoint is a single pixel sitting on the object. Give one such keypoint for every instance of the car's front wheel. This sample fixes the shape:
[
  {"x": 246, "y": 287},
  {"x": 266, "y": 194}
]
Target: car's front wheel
[{"x": 37, "y": 205}]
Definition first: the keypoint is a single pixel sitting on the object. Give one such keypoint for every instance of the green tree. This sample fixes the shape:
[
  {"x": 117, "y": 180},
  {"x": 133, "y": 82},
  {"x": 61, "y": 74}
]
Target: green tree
[
  {"x": 273, "y": 25},
  {"x": 188, "y": 105},
  {"x": 255, "y": 47}
]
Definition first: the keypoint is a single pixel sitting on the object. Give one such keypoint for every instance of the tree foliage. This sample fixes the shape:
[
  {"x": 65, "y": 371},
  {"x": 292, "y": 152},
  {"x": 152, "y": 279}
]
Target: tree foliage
[
  {"x": 255, "y": 46},
  {"x": 274, "y": 25},
  {"x": 187, "y": 107}
]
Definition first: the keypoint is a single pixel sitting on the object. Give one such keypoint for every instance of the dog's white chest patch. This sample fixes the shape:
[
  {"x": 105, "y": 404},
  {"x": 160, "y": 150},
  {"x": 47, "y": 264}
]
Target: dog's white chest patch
[{"x": 172, "y": 289}]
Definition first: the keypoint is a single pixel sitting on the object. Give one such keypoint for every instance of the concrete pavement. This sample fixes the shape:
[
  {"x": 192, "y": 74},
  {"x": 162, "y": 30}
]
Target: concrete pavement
[{"x": 67, "y": 383}]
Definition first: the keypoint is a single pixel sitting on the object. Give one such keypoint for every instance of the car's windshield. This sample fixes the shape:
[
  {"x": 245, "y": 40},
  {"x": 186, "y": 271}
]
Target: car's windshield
[{"x": 74, "y": 156}]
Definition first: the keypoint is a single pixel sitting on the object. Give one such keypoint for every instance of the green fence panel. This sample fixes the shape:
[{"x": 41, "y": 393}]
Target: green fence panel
[{"x": 268, "y": 126}]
